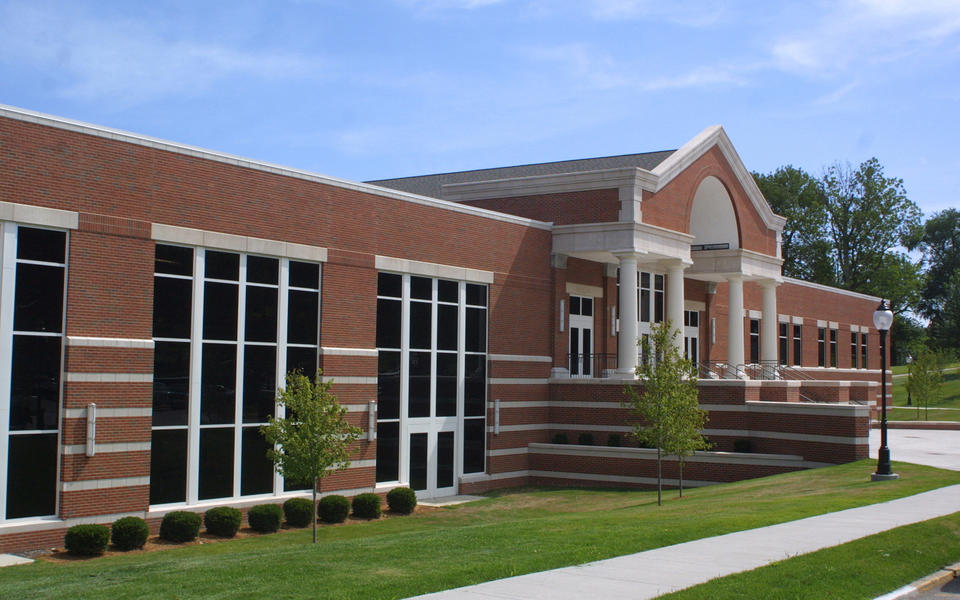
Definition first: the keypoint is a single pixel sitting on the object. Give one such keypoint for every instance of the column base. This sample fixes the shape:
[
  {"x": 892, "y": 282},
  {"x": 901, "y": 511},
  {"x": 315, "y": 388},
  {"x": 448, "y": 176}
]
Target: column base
[{"x": 883, "y": 477}]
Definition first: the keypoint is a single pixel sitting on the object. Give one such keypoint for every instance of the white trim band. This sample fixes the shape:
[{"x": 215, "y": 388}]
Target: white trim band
[
  {"x": 104, "y": 484},
  {"x": 519, "y": 358},
  {"x": 109, "y": 377},
  {"x": 81, "y": 413},
  {"x": 427, "y": 269},
  {"x": 332, "y": 351},
  {"x": 108, "y": 448},
  {"x": 38, "y": 215},
  {"x": 109, "y": 342},
  {"x": 237, "y": 243}
]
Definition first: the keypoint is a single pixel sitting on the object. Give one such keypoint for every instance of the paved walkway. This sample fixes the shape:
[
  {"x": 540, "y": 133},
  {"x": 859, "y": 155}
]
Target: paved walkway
[
  {"x": 921, "y": 446},
  {"x": 655, "y": 572}
]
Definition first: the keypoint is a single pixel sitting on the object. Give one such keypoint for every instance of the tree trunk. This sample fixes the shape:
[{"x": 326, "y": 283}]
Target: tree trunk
[
  {"x": 659, "y": 478},
  {"x": 314, "y": 512},
  {"x": 680, "y": 460}
]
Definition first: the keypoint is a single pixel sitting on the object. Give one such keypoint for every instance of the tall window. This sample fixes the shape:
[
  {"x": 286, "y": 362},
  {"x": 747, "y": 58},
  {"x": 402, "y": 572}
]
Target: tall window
[
  {"x": 784, "y": 343},
  {"x": 256, "y": 319},
  {"x": 833, "y": 348},
  {"x": 853, "y": 350},
  {"x": 797, "y": 349},
  {"x": 754, "y": 341},
  {"x": 822, "y": 346},
  {"x": 31, "y": 339},
  {"x": 863, "y": 351},
  {"x": 431, "y": 392}
]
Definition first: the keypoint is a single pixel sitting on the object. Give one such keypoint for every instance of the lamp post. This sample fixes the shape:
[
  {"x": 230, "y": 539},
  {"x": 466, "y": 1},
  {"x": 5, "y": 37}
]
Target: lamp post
[{"x": 882, "y": 320}]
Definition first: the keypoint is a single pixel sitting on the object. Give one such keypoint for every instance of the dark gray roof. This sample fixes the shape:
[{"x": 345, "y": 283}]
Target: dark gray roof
[{"x": 431, "y": 185}]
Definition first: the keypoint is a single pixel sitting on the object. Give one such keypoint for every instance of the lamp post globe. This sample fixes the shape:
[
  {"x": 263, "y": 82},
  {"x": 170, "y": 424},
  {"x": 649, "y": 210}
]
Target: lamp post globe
[{"x": 882, "y": 320}]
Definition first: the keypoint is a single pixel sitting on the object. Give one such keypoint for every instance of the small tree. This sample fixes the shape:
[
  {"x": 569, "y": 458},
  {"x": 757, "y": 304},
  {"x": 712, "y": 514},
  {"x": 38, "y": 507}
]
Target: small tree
[
  {"x": 312, "y": 440},
  {"x": 923, "y": 383},
  {"x": 668, "y": 402}
]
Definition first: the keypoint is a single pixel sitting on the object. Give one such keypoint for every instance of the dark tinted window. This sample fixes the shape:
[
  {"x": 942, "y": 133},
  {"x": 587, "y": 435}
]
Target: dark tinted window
[
  {"x": 476, "y": 330},
  {"x": 476, "y": 294},
  {"x": 421, "y": 324},
  {"x": 446, "y": 384},
  {"x": 421, "y": 288},
  {"x": 388, "y": 323},
  {"x": 419, "y": 385},
  {"x": 41, "y": 244},
  {"x": 171, "y": 307},
  {"x": 475, "y": 388},
  {"x": 303, "y": 317},
  {"x": 304, "y": 359},
  {"x": 168, "y": 466},
  {"x": 218, "y": 389},
  {"x": 418, "y": 461},
  {"x": 448, "y": 291},
  {"x": 222, "y": 265},
  {"x": 389, "y": 284},
  {"x": 32, "y": 464},
  {"x": 474, "y": 442},
  {"x": 259, "y": 383},
  {"x": 220, "y": 311},
  {"x": 174, "y": 260},
  {"x": 256, "y": 470},
  {"x": 263, "y": 270},
  {"x": 35, "y": 385},
  {"x": 388, "y": 451},
  {"x": 216, "y": 463},
  {"x": 447, "y": 329},
  {"x": 388, "y": 385},
  {"x": 38, "y": 305},
  {"x": 261, "y": 314},
  {"x": 305, "y": 275},
  {"x": 171, "y": 383}
]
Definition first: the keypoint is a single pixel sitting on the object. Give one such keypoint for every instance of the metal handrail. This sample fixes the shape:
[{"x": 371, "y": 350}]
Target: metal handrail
[{"x": 599, "y": 365}]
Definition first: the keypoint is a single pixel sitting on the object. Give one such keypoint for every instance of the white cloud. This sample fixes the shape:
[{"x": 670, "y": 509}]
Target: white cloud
[
  {"x": 126, "y": 61},
  {"x": 856, "y": 32},
  {"x": 694, "y": 13}
]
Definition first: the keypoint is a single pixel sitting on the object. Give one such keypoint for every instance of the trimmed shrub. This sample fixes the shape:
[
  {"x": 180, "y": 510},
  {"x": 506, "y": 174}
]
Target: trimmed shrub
[
  {"x": 265, "y": 518},
  {"x": 560, "y": 438},
  {"x": 743, "y": 445},
  {"x": 585, "y": 439},
  {"x": 129, "y": 533},
  {"x": 222, "y": 521},
  {"x": 180, "y": 526},
  {"x": 298, "y": 512},
  {"x": 402, "y": 500},
  {"x": 614, "y": 440},
  {"x": 87, "y": 540},
  {"x": 333, "y": 509},
  {"x": 366, "y": 506}
]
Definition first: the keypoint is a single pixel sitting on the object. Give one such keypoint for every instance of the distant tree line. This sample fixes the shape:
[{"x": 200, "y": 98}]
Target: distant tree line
[{"x": 853, "y": 227}]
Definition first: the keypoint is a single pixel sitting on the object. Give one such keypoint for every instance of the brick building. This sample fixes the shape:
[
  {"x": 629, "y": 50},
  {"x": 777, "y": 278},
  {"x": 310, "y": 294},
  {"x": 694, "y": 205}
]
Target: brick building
[{"x": 153, "y": 295}]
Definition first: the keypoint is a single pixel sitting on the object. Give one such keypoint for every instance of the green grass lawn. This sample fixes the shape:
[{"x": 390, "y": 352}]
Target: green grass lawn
[
  {"x": 910, "y": 413},
  {"x": 861, "y": 569},
  {"x": 511, "y": 533},
  {"x": 949, "y": 393}
]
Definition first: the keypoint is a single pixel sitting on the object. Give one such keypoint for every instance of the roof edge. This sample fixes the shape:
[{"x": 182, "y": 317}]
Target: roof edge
[{"x": 29, "y": 116}]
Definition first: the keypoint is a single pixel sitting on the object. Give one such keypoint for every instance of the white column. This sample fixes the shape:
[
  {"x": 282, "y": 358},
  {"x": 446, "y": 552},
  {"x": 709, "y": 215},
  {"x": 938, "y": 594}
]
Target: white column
[
  {"x": 627, "y": 342},
  {"x": 735, "y": 323},
  {"x": 768, "y": 326},
  {"x": 675, "y": 303}
]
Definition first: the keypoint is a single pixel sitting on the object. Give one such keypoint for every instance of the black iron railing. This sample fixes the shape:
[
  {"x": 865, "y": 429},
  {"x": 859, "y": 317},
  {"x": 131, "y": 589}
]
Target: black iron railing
[{"x": 591, "y": 365}]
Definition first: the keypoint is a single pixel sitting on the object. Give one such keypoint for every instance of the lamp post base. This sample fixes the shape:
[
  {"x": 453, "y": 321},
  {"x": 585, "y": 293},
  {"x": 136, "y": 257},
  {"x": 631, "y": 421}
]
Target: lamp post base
[{"x": 883, "y": 476}]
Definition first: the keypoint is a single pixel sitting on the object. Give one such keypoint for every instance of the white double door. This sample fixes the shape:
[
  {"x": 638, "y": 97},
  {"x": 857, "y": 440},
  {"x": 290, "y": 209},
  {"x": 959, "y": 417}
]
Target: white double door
[
  {"x": 581, "y": 346},
  {"x": 433, "y": 456}
]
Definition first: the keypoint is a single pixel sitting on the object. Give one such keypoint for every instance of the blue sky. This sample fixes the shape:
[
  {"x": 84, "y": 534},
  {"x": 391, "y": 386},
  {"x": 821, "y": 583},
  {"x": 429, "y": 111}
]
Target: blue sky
[{"x": 375, "y": 89}]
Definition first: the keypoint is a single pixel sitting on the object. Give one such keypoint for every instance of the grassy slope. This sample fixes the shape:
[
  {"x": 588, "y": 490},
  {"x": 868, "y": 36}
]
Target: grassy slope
[
  {"x": 516, "y": 532},
  {"x": 950, "y": 392},
  {"x": 861, "y": 569}
]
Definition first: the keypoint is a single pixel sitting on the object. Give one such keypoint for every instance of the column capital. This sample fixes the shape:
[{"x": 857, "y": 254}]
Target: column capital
[
  {"x": 766, "y": 283},
  {"x": 629, "y": 254},
  {"x": 674, "y": 263}
]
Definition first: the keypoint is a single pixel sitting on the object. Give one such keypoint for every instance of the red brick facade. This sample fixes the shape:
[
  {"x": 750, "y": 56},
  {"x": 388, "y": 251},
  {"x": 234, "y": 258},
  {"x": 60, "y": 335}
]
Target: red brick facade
[{"x": 118, "y": 191}]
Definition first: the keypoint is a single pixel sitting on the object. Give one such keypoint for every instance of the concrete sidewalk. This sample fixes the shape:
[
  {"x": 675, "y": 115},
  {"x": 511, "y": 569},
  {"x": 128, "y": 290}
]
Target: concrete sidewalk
[{"x": 655, "y": 572}]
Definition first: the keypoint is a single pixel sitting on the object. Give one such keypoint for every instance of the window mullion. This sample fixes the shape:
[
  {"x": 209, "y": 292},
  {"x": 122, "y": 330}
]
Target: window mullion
[
  {"x": 282, "y": 315},
  {"x": 8, "y": 254},
  {"x": 196, "y": 349},
  {"x": 404, "y": 449},
  {"x": 238, "y": 385}
]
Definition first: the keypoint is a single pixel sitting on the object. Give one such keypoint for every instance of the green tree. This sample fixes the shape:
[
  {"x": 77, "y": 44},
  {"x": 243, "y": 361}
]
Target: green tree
[
  {"x": 939, "y": 241},
  {"x": 925, "y": 379},
  {"x": 945, "y": 323},
  {"x": 868, "y": 217},
  {"x": 667, "y": 402},
  {"x": 313, "y": 440},
  {"x": 798, "y": 196}
]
